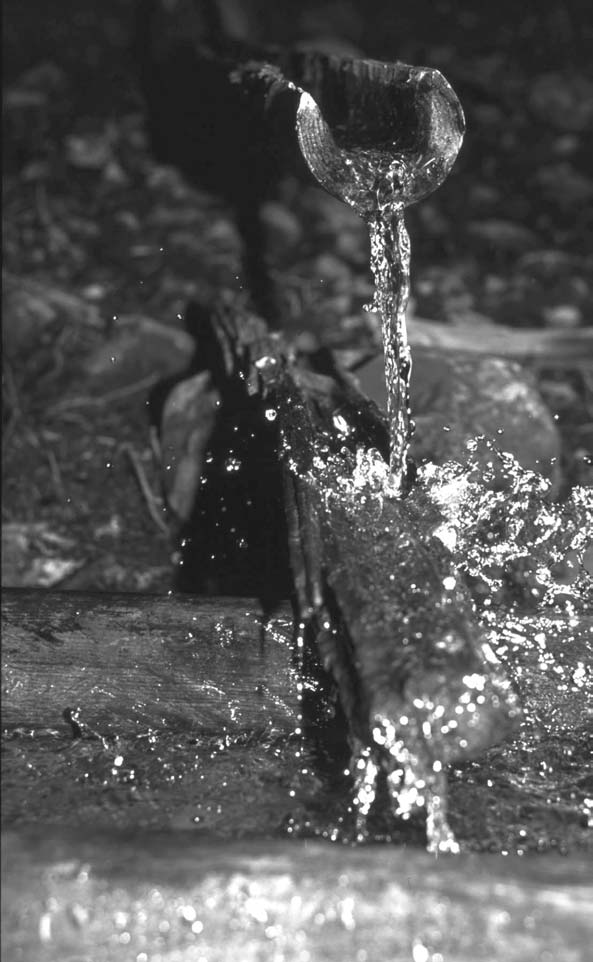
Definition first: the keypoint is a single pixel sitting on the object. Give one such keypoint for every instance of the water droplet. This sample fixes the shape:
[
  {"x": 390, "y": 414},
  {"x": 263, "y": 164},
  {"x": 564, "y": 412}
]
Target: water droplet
[
  {"x": 420, "y": 953},
  {"x": 341, "y": 424}
]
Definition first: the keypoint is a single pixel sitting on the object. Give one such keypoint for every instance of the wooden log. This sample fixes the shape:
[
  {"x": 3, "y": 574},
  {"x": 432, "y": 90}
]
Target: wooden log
[
  {"x": 113, "y": 897},
  {"x": 125, "y": 663}
]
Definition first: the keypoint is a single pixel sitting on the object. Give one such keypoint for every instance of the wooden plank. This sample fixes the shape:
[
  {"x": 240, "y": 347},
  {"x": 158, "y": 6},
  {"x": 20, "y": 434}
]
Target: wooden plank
[
  {"x": 125, "y": 663},
  {"x": 170, "y": 897}
]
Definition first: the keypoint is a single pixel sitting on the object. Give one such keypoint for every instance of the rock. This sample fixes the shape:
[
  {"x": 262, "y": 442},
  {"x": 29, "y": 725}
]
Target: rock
[
  {"x": 432, "y": 219},
  {"x": 483, "y": 196},
  {"x": 94, "y": 292},
  {"x": 565, "y": 102},
  {"x": 456, "y": 397},
  {"x": 552, "y": 286},
  {"x": 35, "y": 87},
  {"x": 282, "y": 229},
  {"x": 328, "y": 214},
  {"x": 442, "y": 292},
  {"x": 352, "y": 246},
  {"x": 140, "y": 347},
  {"x": 564, "y": 185},
  {"x": 33, "y": 556},
  {"x": 187, "y": 423},
  {"x": 26, "y": 314},
  {"x": 470, "y": 318},
  {"x": 472, "y": 396},
  {"x": 503, "y": 234},
  {"x": 335, "y": 223},
  {"x": 329, "y": 269},
  {"x": 566, "y": 145},
  {"x": 90, "y": 151},
  {"x": 562, "y": 315},
  {"x": 35, "y": 313},
  {"x": 551, "y": 263}
]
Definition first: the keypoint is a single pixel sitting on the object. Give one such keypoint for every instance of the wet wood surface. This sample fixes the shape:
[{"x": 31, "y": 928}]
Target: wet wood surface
[{"x": 132, "y": 662}]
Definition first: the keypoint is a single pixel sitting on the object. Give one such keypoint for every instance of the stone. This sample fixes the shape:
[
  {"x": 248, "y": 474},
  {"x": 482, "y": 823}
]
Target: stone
[
  {"x": 503, "y": 234},
  {"x": 139, "y": 347},
  {"x": 456, "y": 397},
  {"x": 283, "y": 230},
  {"x": 565, "y": 102}
]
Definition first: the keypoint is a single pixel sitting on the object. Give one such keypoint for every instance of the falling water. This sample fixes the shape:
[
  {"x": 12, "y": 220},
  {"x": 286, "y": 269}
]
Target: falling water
[
  {"x": 414, "y": 122},
  {"x": 390, "y": 264},
  {"x": 442, "y": 697},
  {"x": 378, "y": 184}
]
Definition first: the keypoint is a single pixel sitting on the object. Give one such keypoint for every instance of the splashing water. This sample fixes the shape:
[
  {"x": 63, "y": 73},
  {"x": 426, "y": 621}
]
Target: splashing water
[
  {"x": 415, "y": 149},
  {"x": 429, "y": 690},
  {"x": 532, "y": 623},
  {"x": 412, "y": 783}
]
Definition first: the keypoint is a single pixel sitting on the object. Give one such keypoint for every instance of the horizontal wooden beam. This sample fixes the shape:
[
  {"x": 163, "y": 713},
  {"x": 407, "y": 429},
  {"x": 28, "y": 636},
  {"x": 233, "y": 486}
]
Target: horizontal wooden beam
[{"x": 123, "y": 663}]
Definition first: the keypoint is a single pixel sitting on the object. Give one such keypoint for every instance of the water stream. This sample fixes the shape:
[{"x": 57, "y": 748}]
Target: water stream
[
  {"x": 390, "y": 265},
  {"x": 377, "y": 184}
]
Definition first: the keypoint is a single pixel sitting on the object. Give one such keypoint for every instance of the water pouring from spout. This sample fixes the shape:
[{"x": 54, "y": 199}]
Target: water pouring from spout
[{"x": 397, "y": 143}]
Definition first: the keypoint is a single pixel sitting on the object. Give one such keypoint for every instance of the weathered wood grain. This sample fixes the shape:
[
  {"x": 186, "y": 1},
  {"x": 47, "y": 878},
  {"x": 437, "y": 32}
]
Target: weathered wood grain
[{"x": 131, "y": 662}]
